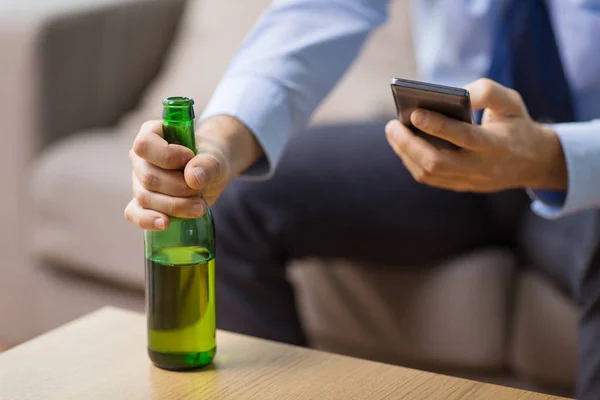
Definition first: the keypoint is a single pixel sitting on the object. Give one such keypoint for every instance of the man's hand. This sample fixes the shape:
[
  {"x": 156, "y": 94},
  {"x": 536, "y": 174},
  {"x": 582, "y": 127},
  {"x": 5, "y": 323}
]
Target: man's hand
[
  {"x": 169, "y": 180},
  {"x": 508, "y": 150}
]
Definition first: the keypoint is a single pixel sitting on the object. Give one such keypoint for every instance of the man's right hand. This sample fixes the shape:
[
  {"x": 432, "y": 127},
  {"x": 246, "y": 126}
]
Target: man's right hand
[{"x": 169, "y": 180}]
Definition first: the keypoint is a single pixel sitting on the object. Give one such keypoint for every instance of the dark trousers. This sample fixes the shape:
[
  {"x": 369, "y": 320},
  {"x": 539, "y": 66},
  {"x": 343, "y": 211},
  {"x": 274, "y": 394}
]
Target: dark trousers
[{"x": 341, "y": 192}]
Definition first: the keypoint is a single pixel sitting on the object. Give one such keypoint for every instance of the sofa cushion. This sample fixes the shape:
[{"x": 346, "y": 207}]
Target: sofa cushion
[
  {"x": 80, "y": 189},
  {"x": 449, "y": 315},
  {"x": 543, "y": 344}
]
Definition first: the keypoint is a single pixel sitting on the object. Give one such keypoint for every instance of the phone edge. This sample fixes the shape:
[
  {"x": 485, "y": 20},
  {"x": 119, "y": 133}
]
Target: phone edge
[{"x": 430, "y": 87}]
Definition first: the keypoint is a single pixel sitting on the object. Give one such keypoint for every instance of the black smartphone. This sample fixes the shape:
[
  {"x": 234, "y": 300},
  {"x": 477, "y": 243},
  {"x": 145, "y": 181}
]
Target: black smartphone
[{"x": 450, "y": 101}]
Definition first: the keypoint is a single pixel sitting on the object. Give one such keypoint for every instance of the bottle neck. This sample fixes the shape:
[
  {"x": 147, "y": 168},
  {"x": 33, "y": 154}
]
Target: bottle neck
[
  {"x": 178, "y": 113},
  {"x": 181, "y": 133},
  {"x": 178, "y": 122}
]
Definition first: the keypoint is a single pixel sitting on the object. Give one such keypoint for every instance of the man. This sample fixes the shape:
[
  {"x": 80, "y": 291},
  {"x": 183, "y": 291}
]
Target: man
[{"x": 349, "y": 191}]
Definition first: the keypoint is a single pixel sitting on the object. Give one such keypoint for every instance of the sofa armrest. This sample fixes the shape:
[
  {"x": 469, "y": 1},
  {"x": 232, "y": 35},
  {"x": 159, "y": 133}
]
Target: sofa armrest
[{"x": 65, "y": 66}]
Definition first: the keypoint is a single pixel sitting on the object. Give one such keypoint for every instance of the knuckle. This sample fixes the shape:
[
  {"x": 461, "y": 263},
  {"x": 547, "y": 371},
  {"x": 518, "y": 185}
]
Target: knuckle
[
  {"x": 171, "y": 207},
  {"x": 149, "y": 180},
  {"x": 514, "y": 94},
  {"x": 127, "y": 214},
  {"x": 214, "y": 165},
  {"x": 140, "y": 145},
  {"x": 131, "y": 154},
  {"x": 431, "y": 165},
  {"x": 130, "y": 215},
  {"x": 485, "y": 82},
  {"x": 516, "y": 98},
  {"x": 183, "y": 190},
  {"x": 169, "y": 157},
  {"x": 487, "y": 88},
  {"x": 421, "y": 176},
  {"x": 142, "y": 197}
]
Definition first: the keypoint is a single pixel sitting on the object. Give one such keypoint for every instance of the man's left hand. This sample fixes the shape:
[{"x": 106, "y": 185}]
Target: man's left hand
[{"x": 508, "y": 150}]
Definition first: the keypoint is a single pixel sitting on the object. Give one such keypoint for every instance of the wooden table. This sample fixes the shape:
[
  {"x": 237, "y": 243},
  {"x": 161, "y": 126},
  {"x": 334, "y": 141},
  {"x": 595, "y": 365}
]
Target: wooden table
[{"x": 103, "y": 356}]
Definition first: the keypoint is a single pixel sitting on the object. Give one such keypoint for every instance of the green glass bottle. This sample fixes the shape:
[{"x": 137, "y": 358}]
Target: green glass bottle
[{"x": 180, "y": 271}]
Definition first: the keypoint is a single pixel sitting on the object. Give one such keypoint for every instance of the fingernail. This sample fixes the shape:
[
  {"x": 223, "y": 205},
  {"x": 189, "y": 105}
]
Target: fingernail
[
  {"x": 419, "y": 117},
  {"x": 198, "y": 209},
  {"x": 159, "y": 223},
  {"x": 200, "y": 175}
]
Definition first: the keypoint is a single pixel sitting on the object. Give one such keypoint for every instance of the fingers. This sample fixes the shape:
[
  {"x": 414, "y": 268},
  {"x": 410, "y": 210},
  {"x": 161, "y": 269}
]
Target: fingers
[
  {"x": 146, "y": 219},
  {"x": 160, "y": 180},
  {"x": 190, "y": 207},
  {"x": 429, "y": 159},
  {"x": 423, "y": 176},
  {"x": 205, "y": 170},
  {"x": 150, "y": 146},
  {"x": 462, "y": 134},
  {"x": 504, "y": 101},
  {"x": 159, "y": 186}
]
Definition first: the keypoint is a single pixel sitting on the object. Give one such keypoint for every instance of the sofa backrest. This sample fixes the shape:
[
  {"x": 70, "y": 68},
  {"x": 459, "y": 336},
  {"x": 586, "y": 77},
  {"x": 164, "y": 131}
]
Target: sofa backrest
[{"x": 212, "y": 30}]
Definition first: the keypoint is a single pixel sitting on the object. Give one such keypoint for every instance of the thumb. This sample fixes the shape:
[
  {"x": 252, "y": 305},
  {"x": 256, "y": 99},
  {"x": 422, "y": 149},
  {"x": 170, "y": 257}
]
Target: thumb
[
  {"x": 502, "y": 101},
  {"x": 205, "y": 170}
]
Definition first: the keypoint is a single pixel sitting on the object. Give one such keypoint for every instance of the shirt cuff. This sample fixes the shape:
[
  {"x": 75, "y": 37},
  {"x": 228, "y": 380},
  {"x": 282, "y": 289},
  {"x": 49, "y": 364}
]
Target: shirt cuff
[
  {"x": 547, "y": 203},
  {"x": 581, "y": 147},
  {"x": 262, "y": 106}
]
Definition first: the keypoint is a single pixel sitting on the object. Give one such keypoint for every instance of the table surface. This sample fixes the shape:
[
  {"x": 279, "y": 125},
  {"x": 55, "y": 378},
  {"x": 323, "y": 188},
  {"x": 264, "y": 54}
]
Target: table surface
[{"x": 103, "y": 356}]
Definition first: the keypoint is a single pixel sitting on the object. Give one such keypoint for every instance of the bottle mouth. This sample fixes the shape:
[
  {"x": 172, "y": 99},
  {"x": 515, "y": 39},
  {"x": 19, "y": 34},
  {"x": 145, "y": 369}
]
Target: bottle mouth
[{"x": 178, "y": 101}]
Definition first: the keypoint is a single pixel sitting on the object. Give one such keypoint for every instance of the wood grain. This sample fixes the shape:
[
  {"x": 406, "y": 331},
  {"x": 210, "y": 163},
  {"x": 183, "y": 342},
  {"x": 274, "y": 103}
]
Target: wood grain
[{"x": 103, "y": 356}]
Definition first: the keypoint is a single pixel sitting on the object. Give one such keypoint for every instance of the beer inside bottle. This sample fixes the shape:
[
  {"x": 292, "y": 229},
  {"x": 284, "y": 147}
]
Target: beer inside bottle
[{"x": 180, "y": 271}]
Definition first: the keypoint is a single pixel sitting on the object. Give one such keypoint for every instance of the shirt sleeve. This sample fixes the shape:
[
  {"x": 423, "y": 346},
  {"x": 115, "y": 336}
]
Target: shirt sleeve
[
  {"x": 290, "y": 61},
  {"x": 581, "y": 146}
]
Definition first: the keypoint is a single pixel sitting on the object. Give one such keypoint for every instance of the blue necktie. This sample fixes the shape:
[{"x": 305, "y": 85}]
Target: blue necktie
[{"x": 525, "y": 57}]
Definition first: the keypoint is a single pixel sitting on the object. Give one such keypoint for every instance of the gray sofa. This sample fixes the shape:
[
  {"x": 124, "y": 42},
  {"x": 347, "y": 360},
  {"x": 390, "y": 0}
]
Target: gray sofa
[{"x": 69, "y": 87}]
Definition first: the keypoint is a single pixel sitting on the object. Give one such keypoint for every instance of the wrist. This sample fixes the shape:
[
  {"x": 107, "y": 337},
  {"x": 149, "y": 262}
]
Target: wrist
[
  {"x": 552, "y": 171},
  {"x": 237, "y": 143}
]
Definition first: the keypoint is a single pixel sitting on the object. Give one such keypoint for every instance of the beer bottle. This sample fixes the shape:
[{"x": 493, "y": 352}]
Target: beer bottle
[{"x": 180, "y": 271}]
